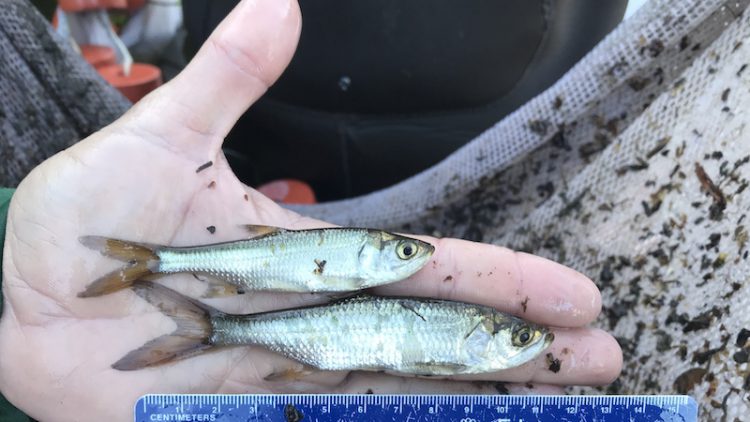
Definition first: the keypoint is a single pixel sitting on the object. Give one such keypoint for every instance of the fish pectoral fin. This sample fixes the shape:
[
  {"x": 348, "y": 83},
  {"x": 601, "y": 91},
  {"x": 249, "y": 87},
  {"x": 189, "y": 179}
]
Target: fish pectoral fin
[
  {"x": 292, "y": 373},
  {"x": 218, "y": 288},
  {"x": 336, "y": 285},
  {"x": 361, "y": 283},
  {"x": 431, "y": 369},
  {"x": 255, "y": 231}
]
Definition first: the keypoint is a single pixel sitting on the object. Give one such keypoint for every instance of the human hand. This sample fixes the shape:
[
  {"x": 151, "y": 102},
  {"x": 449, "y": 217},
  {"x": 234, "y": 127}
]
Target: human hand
[{"x": 137, "y": 179}]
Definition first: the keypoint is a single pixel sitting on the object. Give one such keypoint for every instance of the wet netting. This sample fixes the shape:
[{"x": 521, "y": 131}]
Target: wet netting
[
  {"x": 49, "y": 97},
  {"x": 633, "y": 169}
]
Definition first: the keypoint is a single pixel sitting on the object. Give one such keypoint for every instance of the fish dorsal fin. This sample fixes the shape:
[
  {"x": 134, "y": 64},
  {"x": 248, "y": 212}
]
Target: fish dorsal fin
[{"x": 256, "y": 230}]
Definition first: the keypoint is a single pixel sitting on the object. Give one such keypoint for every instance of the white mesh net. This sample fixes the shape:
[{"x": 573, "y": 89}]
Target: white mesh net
[{"x": 632, "y": 169}]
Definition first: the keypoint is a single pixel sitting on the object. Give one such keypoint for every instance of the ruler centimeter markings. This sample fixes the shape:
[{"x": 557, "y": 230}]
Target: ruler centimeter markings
[{"x": 468, "y": 408}]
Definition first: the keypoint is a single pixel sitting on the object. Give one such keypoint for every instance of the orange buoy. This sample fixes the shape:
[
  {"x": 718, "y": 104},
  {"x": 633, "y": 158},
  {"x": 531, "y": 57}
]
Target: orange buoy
[
  {"x": 143, "y": 78},
  {"x": 82, "y": 5},
  {"x": 288, "y": 191},
  {"x": 98, "y": 55},
  {"x": 135, "y": 4}
]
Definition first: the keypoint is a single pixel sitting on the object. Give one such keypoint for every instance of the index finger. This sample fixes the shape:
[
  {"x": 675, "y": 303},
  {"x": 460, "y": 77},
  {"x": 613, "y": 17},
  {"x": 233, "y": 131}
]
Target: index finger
[{"x": 522, "y": 284}]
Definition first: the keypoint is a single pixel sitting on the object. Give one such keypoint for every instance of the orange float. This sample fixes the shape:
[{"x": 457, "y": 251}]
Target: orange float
[
  {"x": 288, "y": 191},
  {"x": 135, "y": 4},
  {"x": 98, "y": 55},
  {"x": 143, "y": 78},
  {"x": 83, "y": 5}
]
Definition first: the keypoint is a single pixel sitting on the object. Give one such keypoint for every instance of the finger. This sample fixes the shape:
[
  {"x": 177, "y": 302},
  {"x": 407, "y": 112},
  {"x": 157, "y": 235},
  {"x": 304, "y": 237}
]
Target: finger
[
  {"x": 244, "y": 55},
  {"x": 531, "y": 388},
  {"x": 522, "y": 284},
  {"x": 369, "y": 383},
  {"x": 578, "y": 356}
]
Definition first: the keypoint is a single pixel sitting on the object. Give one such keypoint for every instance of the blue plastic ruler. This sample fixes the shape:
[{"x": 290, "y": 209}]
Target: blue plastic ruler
[{"x": 302, "y": 407}]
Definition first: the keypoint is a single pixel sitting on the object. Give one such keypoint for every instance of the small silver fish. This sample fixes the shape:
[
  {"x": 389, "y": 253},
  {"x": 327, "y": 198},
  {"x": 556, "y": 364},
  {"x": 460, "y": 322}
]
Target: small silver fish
[
  {"x": 401, "y": 335},
  {"x": 274, "y": 259}
]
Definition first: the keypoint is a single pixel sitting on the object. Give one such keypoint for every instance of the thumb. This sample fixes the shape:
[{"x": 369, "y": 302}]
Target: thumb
[{"x": 246, "y": 53}]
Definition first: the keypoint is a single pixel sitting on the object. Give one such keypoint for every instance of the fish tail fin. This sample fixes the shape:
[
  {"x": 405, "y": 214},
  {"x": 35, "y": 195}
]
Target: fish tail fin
[
  {"x": 192, "y": 336},
  {"x": 142, "y": 261}
]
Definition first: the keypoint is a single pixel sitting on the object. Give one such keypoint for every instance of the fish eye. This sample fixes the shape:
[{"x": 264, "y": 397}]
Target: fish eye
[
  {"x": 522, "y": 336},
  {"x": 406, "y": 249}
]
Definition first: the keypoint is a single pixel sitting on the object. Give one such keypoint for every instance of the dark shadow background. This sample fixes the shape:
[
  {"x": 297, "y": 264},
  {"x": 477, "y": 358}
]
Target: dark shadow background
[{"x": 382, "y": 89}]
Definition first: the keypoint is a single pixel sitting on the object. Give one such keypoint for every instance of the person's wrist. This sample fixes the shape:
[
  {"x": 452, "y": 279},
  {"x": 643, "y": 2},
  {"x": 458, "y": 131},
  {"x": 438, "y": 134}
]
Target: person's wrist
[
  {"x": 7, "y": 411},
  {"x": 5, "y": 195}
]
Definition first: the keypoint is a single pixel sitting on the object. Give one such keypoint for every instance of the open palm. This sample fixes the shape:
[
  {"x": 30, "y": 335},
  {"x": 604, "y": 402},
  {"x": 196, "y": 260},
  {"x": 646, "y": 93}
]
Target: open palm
[{"x": 139, "y": 179}]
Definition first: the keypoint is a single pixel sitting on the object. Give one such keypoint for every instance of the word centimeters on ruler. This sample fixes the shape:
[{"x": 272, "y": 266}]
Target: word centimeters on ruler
[{"x": 337, "y": 407}]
